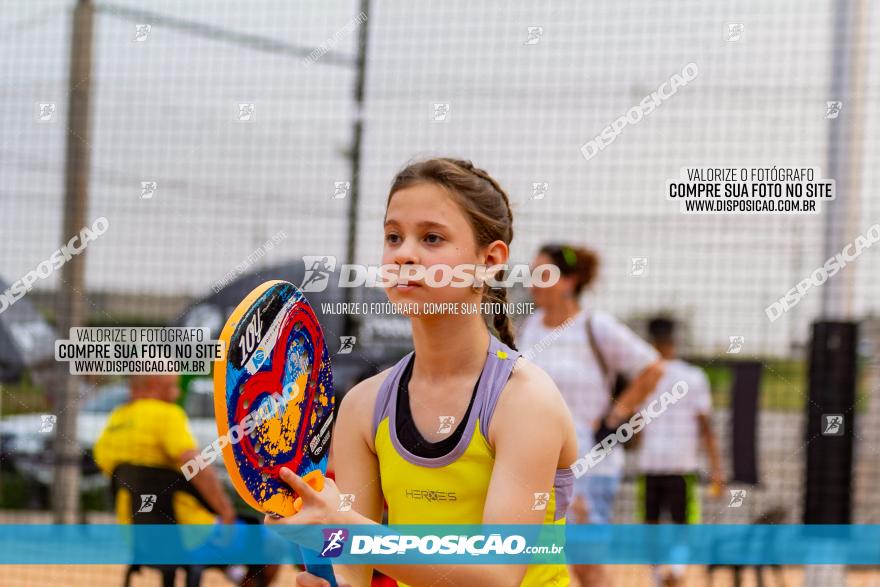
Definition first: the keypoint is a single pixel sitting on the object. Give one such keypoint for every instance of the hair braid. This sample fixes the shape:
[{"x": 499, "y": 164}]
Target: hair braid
[{"x": 501, "y": 321}]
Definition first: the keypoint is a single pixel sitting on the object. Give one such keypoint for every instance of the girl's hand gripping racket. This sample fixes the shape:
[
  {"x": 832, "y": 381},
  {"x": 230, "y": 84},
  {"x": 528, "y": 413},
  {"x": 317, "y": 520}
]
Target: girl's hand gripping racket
[{"x": 274, "y": 400}]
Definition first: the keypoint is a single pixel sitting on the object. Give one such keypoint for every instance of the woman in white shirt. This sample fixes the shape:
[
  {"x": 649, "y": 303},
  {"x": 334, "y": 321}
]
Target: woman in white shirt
[{"x": 557, "y": 338}]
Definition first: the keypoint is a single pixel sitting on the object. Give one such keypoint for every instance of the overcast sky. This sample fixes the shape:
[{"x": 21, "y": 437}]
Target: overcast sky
[{"x": 166, "y": 109}]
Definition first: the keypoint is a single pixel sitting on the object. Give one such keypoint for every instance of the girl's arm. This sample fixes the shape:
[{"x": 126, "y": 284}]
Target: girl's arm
[{"x": 356, "y": 464}]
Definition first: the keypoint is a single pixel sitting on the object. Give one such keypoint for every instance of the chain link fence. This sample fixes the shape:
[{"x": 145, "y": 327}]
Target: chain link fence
[{"x": 224, "y": 140}]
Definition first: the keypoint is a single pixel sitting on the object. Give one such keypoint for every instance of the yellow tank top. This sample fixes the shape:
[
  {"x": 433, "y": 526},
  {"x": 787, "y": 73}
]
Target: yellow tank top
[
  {"x": 452, "y": 489},
  {"x": 152, "y": 433}
]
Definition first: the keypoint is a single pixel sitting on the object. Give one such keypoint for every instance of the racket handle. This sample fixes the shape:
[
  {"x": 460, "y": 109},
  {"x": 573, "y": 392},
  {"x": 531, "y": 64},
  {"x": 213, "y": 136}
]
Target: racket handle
[{"x": 324, "y": 570}]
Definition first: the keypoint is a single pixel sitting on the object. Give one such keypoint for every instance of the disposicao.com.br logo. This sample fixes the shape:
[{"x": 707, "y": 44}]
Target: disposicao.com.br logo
[
  {"x": 476, "y": 545},
  {"x": 319, "y": 270}
]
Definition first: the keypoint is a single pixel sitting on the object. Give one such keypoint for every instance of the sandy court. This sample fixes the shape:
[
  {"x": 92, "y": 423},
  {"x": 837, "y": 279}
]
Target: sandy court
[{"x": 624, "y": 576}]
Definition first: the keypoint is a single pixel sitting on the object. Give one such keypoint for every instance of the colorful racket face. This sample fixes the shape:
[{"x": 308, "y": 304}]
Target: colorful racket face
[{"x": 273, "y": 396}]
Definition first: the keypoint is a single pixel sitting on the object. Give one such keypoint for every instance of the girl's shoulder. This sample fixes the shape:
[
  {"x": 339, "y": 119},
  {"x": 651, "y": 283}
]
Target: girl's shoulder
[
  {"x": 357, "y": 408},
  {"x": 362, "y": 397},
  {"x": 530, "y": 401},
  {"x": 528, "y": 394},
  {"x": 531, "y": 383}
]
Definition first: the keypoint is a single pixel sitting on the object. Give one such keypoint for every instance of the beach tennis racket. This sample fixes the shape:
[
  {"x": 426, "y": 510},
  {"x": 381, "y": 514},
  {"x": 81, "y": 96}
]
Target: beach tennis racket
[{"x": 274, "y": 400}]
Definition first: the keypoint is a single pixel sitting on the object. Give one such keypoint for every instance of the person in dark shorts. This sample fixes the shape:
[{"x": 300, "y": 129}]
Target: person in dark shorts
[{"x": 669, "y": 457}]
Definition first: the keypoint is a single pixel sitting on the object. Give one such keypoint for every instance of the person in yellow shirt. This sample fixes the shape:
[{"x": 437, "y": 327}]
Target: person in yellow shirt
[{"x": 151, "y": 430}]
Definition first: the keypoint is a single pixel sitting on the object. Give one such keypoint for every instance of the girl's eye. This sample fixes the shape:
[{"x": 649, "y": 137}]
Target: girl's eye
[
  {"x": 391, "y": 238},
  {"x": 433, "y": 238}
]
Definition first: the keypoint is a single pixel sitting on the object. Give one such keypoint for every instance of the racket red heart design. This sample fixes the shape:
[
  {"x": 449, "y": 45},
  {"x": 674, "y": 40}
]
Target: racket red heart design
[{"x": 274, "y": 398}]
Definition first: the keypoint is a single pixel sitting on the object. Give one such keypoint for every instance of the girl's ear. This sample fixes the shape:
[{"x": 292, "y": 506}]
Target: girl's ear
[{"x": 496, "y": 253}]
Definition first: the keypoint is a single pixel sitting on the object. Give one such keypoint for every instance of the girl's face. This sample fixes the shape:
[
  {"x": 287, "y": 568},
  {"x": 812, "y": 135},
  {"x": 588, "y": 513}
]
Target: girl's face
[
  {"x": 424, "y": 226},
  {"x": 548, "y": 297}
]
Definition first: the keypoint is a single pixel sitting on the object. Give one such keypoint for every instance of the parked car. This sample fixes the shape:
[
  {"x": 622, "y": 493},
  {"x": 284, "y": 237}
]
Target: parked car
[{"x": 26, "y": 440}]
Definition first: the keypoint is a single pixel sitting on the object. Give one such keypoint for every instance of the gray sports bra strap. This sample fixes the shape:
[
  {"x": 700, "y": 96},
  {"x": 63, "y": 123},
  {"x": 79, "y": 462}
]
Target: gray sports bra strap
[
  {"x": 383, "y": 398},
  {"x": 499, "y": 366}
]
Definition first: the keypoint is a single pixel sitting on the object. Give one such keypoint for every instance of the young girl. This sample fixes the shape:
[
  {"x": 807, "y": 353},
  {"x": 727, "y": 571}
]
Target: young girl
[{"x": 452, "y": 434}]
